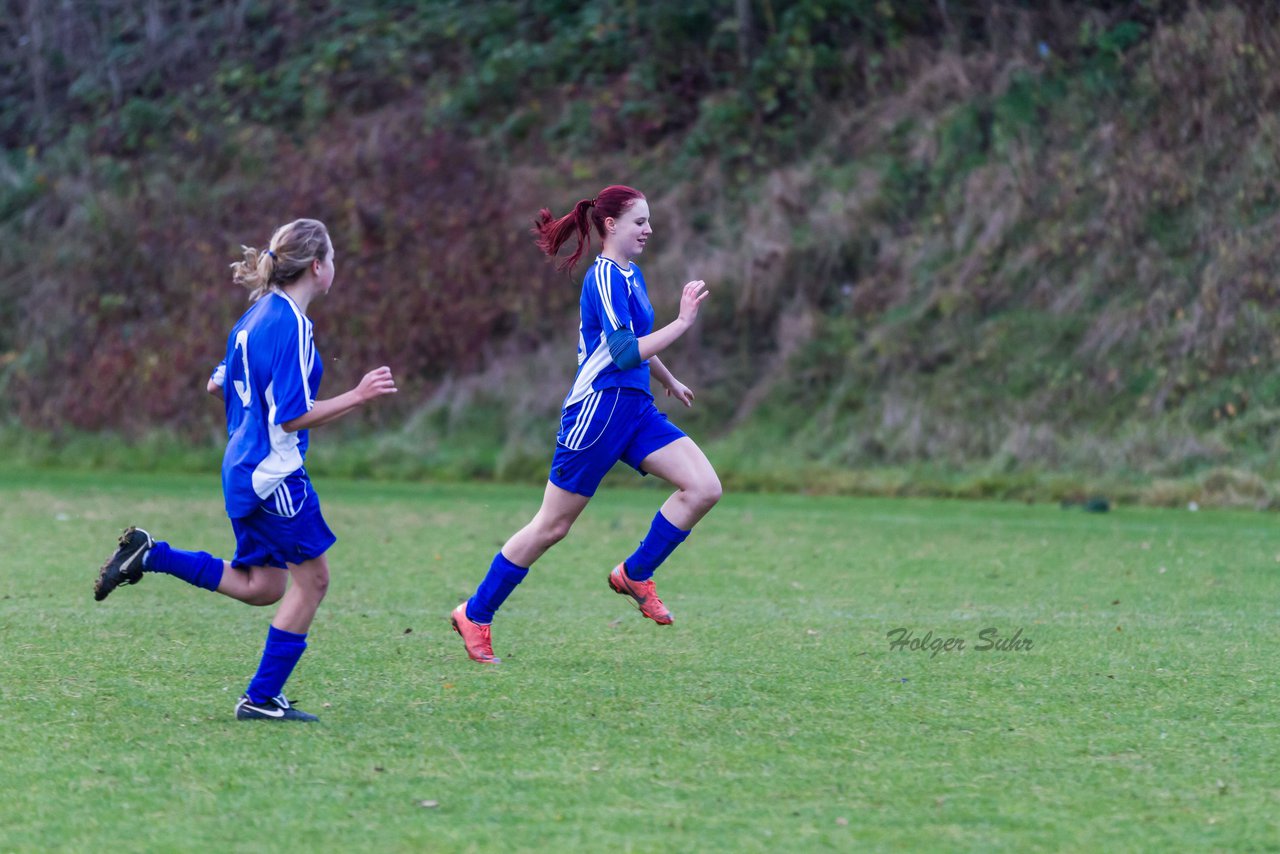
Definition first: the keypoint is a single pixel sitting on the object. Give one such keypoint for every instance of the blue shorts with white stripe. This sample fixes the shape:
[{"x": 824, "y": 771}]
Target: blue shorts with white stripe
[
  {"x": 287, "y": 527},
  {"x": 608, "y": 426}
]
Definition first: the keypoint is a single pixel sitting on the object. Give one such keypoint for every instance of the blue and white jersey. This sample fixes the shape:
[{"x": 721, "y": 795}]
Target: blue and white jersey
[
  {"x": 612, "y": 299},
  {"x": 271, "y": 375}
]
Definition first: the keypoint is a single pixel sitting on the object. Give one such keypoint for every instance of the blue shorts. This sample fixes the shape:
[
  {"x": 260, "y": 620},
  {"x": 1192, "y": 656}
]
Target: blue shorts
[
  {"x": 610, "y": 425},
  {"x": 268, "y": 537}
]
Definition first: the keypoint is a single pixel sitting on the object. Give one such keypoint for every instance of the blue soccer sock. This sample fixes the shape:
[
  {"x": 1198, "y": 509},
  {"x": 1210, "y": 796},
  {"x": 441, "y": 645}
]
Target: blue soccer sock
[
  {"x": 199, "y": 568},
  {"x": 502, "y": 578},
  {"x": 279, "y": 657},
  {"x": 657, "y": 546}
]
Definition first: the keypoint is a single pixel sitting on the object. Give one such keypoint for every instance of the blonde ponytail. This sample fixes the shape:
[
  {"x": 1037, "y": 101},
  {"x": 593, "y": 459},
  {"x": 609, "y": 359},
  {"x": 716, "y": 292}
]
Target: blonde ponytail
[
  {"x": 254, "y": 272},
  {"x": 292, "y": 249}
]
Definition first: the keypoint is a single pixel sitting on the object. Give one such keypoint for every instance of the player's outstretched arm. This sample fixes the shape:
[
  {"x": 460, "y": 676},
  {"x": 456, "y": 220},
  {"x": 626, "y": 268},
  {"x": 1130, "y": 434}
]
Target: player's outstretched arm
[
  {"x": 375, "y": 384},
  {"x": 660, "y": 339}
]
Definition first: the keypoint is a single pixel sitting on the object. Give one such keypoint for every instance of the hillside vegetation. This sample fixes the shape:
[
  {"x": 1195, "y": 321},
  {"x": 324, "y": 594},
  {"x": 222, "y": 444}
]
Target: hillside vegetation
[{"x": 989, "y": 247}]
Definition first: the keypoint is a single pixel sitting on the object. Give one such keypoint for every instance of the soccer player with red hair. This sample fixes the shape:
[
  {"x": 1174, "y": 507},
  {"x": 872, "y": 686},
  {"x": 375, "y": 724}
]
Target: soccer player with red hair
[{"x": 608, "y": 415}]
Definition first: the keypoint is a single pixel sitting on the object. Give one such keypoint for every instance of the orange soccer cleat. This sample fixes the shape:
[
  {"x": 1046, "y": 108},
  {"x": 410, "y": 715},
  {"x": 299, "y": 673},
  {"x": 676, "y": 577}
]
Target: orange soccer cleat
[
  {"x": 474, "y": 635},
  {"x": 642, "y": 593}
]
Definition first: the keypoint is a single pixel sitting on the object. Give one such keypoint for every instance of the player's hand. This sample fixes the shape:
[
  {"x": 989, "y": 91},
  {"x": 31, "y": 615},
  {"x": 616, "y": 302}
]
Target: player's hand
[
  {"x": 680, "y": 392},
  {"x": 376, "y": 383},
  {"x": 692, "y": 296}
]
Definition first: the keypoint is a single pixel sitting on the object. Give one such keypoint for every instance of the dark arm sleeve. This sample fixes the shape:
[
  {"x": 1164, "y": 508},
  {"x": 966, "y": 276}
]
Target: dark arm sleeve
[{"x": 624, "y": 349}]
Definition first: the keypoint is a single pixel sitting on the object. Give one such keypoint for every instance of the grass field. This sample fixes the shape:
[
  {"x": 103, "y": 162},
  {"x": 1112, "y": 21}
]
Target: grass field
[{"x": 774, "y": 716}]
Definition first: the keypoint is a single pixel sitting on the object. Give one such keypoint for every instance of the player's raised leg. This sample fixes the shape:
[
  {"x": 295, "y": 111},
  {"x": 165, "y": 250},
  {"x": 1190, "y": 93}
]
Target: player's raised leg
[
  {"x": 138, "y": 553},
  {"x": 683, "y": 464}
]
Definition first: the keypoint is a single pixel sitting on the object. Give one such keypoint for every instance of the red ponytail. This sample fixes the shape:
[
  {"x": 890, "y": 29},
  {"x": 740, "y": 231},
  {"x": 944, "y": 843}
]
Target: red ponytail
[{"x": 550, "y": 234}]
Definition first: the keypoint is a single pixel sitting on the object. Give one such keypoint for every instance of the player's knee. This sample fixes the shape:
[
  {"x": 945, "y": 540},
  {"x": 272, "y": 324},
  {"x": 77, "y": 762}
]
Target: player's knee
[
  {"x": 715, "y": 491},
  {"x": 707, "y": 491},
  {"x": 556, "y": 530},
  {"x": 318, "y": 584}
]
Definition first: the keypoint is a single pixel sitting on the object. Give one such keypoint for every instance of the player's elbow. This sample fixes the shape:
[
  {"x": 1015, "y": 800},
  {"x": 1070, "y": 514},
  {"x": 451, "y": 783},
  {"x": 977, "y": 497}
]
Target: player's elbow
[
  {"x": 306, "y": 420},
  {"x": 213, "y": 388},
  {"x": 625, "y": 349}
]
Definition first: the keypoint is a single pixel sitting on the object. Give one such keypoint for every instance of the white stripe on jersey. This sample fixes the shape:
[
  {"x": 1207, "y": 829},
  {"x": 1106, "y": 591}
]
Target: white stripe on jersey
[
  {"x": 600, "y": 359},
  {"x": 310, "y": 366},
  {"x": 602, "y": 285},
  {"x": 284, "y": 459},
  {"x": 306, "y": 349}
]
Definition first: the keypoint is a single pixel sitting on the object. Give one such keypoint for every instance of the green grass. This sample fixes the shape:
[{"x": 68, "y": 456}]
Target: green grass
[{"x": 772, "y": 716}]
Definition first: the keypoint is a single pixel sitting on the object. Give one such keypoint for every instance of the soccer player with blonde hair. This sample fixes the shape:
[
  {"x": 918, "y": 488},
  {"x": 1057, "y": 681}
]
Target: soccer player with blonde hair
[{"x": 270, "y": 382}]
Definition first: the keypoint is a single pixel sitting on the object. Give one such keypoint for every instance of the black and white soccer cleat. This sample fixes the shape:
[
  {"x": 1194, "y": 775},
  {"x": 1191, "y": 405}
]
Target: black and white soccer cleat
[
  {"x": 125, "y": 565},
  {"x": 275, "y": 709}
]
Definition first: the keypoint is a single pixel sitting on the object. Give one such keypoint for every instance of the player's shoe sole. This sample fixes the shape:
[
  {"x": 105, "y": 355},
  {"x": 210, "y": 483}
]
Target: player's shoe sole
[
  {"x": 475, "y": 636},
  {"x": 642, "y": 593},
  {"x": 125, "y": 564},
  {"x": 275, "y": 709}
]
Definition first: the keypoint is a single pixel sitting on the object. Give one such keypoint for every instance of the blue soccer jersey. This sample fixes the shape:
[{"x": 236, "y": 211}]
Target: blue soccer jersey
[
  {"x": 612, "y": 299},
  {"x": 271, "y": 375}
]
